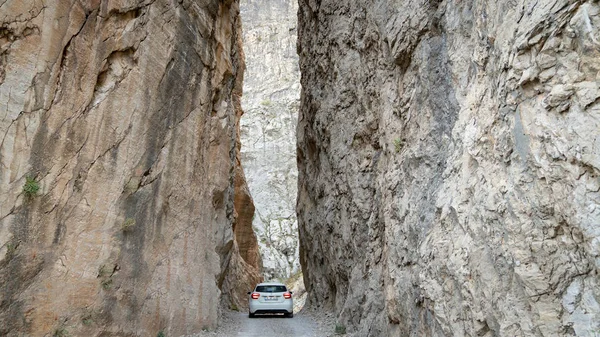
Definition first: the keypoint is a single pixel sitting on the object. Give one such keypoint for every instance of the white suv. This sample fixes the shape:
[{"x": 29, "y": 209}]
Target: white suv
[{"x": 271, "y": 298}]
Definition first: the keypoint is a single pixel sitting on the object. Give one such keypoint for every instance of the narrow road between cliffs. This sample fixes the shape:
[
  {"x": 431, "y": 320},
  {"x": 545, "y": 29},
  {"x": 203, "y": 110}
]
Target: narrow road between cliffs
[{"x": 303, "y": 324}]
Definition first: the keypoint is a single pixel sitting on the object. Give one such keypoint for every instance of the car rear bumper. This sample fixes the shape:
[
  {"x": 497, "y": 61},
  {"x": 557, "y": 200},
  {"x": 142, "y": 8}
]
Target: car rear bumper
[
  {"x": 272, "y": 311},
  {"x": 271, "y": 308}
]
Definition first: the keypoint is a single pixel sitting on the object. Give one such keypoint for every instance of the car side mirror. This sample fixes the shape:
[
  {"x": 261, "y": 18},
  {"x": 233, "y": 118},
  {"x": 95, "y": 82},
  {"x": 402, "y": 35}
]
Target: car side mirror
[
  {"x": 291, "y": 292},
  {"x": 249, "y": 292}
]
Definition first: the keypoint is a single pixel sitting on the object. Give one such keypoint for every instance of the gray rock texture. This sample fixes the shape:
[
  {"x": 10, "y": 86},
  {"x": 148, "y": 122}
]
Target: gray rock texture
[
  {"x": 268, "y": 129},
  {"x": 123, "y": 208},
  {"x": 449, "y": 161}
]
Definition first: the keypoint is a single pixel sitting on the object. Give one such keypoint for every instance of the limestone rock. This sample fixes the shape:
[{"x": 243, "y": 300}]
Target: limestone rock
[
  {"x": 120, "y": 119},
  {"x": 268, "y": 129},
  {"x": 449, "y": 162}
]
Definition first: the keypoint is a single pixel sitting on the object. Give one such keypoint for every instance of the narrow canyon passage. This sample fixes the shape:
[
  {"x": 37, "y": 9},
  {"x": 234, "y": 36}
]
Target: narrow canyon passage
[
  {"x": 441, "y": 176},
  {"x": 270, "y": 101}
]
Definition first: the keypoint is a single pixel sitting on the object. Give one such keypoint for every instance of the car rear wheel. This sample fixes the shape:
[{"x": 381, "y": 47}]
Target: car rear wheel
[
  {"x": 251, "y": 315},
  {"x": 289, "y": 315}
]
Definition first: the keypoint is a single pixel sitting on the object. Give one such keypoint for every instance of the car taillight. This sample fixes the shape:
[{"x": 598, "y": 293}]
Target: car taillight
[
  {"x": 287, "y": 296},
  {"x": 255, "y": 296}
]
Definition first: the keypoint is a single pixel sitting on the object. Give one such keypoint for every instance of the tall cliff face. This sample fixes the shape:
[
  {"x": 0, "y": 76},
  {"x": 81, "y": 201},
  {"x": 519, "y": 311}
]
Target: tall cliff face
[
  {"x": 449, "y": 164},
  {"x": 125, "y": 115},
  {"x": 268, "y": 129}
]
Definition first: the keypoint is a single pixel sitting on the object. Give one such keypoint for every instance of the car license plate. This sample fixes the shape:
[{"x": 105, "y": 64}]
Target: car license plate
[{"x": 271, "y": 298}]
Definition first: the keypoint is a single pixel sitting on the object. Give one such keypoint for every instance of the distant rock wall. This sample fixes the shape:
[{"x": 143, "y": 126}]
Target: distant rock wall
[
  {"x": 125, "y": 115},
  {"x": 271, "y": 102},
  {"x": 449, "y": 161}
]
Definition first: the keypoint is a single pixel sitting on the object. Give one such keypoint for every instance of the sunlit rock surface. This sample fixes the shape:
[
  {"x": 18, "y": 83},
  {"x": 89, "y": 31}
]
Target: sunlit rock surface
[
  {"x": 270, "y": 102},
  {"x": 449, "y": 158},
  {"x": 124, "y": 114}
]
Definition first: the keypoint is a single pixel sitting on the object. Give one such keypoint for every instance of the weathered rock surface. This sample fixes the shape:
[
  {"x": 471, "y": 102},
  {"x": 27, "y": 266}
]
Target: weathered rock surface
[
  {"x": 449, "y": 161},
  {"x": 125, "y": 114},
  {"x": 271, "y": 101}
]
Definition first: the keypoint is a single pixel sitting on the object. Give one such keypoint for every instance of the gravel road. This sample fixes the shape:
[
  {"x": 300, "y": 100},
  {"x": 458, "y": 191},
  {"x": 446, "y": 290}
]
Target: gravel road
[{"x": 304, "y": 324}]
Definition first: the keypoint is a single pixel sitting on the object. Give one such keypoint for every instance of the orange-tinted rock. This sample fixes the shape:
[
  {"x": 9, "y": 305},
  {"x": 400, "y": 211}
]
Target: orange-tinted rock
[{"x": 124, "y": 113}]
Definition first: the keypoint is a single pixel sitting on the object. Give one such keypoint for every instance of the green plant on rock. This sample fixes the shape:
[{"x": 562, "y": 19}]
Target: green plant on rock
[
  {"x": 88, "y": 317},
  {"x": 61, "y": 332},
  {"x": 340, "y": 328},
  {"x": 87, "y": 321},
  {"x": 105, "y": 275},
  {"x": 10, "y": 250},
  {"x": 128, "y": 225},
  {"x": 160, "y": 334},
  {"x": 398, "y": 144},
  {"x": 107, "y": 284},
  {"x": 266, "y": 102},
  {"x": 31, "y": 187},
  {"x": 234, "y": 307}
]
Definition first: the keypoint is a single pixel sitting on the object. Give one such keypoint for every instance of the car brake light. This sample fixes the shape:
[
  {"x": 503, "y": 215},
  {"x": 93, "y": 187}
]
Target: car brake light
[
  {"x": 255, "y": 296},
  {"x": 287, "y": 296}
]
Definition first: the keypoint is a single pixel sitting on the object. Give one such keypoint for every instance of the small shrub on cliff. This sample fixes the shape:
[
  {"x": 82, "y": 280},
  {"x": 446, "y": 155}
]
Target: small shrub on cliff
[
  {"x": 107, "y": 284},
  {"x": 160, "y": 334},
  {"x": 31, "y": 187},
  {"x": 10, "y": 250},
  {"x": 398, "y": 144},
  {"x": 61, "y": 332},
  {"x": 128, "y": 225},
  {"x": 87, "y": 321},
  {"x": 340, "y": 328},
  {"x": 105, "y": 276}
]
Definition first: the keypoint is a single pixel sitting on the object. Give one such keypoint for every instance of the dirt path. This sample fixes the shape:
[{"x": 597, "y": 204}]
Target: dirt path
[{"x": 237, "y": 324}]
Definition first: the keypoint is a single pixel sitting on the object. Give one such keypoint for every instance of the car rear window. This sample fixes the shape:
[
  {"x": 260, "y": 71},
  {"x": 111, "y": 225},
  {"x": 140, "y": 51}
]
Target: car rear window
[{"x": 271, "y": 289}]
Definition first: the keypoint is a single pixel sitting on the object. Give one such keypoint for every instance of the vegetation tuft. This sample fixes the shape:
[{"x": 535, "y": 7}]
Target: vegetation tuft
[
  {"x": 340, "y": 328},
  {"x": 61, "y": 332},
  {"x": 87, "y": 321},
  {"x": 105, "y": 276},
  {"x": 398, "y": 144},
  {"x": 160, "y": 334},
  {"x": 128, "y": 225},
  {"x": 107, "y": 284},
  {"x": 31, "y": 187},
  {"x": 11, "y": 249}
]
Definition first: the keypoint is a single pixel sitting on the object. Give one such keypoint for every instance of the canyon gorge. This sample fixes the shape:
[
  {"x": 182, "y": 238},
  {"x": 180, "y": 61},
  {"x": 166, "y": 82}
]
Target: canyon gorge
[{"x": 447, "y": 151}]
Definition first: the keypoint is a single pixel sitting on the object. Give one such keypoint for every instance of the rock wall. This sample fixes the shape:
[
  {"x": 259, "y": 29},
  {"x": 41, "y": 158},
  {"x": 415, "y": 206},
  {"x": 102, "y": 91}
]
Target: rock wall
[
  {"x": 449, "y": 161},
  {"x": 120, "y": 184},
  {"x": 271, "y": 102}
]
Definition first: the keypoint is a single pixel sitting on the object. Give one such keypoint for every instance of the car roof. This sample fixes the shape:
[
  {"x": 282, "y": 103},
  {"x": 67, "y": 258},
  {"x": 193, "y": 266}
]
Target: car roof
[{"x": 270, "y": 284}]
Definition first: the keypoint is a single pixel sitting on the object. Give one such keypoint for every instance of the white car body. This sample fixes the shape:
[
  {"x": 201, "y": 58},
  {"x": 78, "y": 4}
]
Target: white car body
[{"x": 271, "y": 298}]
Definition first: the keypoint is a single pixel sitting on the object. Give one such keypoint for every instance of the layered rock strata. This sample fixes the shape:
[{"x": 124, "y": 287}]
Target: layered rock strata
[
  {"x": 120, "y": 184},
  {"x": 271, "y": 101},
  {"x": 449, "y": 161}
]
